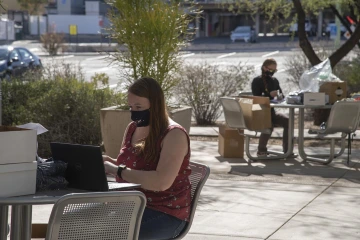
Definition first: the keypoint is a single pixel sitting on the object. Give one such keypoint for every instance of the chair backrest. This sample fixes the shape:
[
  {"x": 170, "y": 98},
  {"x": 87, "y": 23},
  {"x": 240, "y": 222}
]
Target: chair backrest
[
  {"x": 105, "y": 215},
  {"x": 234, "y": 117},
  {"x": 198, "y": 177},
  {"x": 344, "y": 117}
]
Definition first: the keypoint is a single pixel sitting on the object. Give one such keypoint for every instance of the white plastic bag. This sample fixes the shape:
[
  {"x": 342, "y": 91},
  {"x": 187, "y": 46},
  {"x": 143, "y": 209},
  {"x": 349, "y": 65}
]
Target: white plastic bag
[{"x": 312, "y": 79}]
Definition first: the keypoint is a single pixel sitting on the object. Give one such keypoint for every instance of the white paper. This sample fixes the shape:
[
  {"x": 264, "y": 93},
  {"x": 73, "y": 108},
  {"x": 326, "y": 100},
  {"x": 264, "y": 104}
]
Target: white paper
[{"x": 34, "y": 126}]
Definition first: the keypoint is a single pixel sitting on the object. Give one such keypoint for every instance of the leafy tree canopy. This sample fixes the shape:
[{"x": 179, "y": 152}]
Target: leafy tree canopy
[
  {"x": 33, "y": 6},
  {"x": 284, "y": 8}
]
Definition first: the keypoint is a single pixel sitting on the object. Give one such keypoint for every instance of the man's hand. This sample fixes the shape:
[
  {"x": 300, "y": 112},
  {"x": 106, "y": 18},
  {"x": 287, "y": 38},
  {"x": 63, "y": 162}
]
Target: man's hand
[{"x": 273, "y": 93}]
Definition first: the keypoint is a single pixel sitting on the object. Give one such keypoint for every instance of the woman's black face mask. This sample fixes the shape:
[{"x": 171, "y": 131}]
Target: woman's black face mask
[{"x": 142, "y": 118}]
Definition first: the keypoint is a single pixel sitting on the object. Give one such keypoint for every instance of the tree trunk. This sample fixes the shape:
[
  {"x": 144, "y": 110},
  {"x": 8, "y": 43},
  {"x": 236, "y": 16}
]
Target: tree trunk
[
  {"x": 349, "y": 45},
  {"x": 322, "y": 115},
  {"x": 304, "y": 43}
]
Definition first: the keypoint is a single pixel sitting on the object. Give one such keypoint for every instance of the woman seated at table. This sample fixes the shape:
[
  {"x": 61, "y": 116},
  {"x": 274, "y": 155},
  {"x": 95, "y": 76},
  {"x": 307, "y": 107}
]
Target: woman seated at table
[{"x": 155, "y": 153}]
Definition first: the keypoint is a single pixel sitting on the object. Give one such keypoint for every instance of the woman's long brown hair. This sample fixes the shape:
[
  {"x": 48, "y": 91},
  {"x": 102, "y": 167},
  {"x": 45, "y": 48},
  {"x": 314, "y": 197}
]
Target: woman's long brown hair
[{"x": 159, "y": 120}]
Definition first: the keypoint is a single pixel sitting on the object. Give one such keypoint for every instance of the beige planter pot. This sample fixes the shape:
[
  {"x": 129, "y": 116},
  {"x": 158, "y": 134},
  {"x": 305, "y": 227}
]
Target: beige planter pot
[
  {"x": 114, "y": 121},
  {"x": 113, "y": 124},
  {"x": 182, "y": 116}
]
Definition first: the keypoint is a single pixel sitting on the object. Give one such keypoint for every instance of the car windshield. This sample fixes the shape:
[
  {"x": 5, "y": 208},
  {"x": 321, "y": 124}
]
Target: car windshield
[
  {"x": 242, "y": 30},
  {"x": 4, "y": 54}
]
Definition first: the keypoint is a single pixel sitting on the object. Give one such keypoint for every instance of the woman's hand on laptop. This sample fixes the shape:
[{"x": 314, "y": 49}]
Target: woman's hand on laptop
[
  {"x": 106, "y": 158},
  {"x": 110, "y": 168}
]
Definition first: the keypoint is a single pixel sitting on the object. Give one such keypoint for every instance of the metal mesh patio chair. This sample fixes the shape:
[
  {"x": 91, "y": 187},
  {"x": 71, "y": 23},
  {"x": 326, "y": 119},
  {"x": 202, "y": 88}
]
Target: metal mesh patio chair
[
  {"x": 235, "y": 119},
  {"x": 198, "y": 177},
  {"x": 344, "y": 118},
  {"x": 97, "y": 216}
]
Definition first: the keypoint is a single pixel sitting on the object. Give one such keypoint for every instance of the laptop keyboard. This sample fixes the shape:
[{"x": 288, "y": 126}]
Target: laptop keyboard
[{"x": 114, "y": 186}]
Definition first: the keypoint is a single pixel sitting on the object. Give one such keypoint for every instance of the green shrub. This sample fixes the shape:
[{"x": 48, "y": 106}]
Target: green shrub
[
  {"x": 349, "y": 71},
  {"x": 201, "y": 87},
  {"x": 297, "y": 63},
  {"x": 63, "y": 102},
  {"x": 52, "y": 42}
]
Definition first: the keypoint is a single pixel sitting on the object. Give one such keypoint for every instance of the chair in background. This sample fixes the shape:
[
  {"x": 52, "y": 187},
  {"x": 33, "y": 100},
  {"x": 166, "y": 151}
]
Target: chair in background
[
  {"x": 198, "y": 177},
  {"x": 235, "y": 119},
  {"x": 243, "y": 93},
  {"x": 344, "y": 118},
  {"x": 105, "y": 215}
]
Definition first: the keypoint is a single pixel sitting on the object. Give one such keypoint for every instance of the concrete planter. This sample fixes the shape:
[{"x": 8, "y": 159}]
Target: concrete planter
[
  {"x": 113, "y": 122},
  {"x": 181, "y": 115}
]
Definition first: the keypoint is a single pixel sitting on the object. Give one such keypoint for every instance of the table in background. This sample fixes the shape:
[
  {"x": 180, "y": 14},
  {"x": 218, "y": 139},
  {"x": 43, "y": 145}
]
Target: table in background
[{"x": 301, "y": 119}]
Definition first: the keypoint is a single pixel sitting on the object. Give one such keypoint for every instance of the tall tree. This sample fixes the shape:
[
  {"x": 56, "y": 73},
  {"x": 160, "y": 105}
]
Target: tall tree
[
  {"x": 303, "y": 8},
  {"x": 33, "y": 6}
]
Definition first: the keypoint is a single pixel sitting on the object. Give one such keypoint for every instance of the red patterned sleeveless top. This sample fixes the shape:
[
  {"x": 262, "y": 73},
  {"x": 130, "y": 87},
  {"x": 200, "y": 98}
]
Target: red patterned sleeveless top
[{"x": 174, "y": 201}]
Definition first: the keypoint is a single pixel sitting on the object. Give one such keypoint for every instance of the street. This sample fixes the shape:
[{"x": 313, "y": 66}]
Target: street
[{"x": 92, "y": 63}]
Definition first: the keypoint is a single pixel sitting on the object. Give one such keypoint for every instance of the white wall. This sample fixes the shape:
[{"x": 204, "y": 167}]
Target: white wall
[
  {"x": 34, "y": 22},
  {"x": 9, "y": 33},
  {"x": 92, "y": 8},
  {"x": 85, "y": 24}
]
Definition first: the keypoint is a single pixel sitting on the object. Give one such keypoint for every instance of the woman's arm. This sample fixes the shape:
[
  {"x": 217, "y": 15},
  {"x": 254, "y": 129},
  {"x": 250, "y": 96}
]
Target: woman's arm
[{"x": 174, "y": 149}]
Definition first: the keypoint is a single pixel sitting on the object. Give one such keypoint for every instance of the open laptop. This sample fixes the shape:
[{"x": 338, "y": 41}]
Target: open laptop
[{"x": 85, "y": 168}]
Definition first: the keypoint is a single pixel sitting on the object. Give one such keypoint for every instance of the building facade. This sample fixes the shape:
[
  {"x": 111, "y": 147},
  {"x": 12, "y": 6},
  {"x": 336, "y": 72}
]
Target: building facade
[
  {"x": 217, "y": 21},
  {"x": 77, "y": 7}
]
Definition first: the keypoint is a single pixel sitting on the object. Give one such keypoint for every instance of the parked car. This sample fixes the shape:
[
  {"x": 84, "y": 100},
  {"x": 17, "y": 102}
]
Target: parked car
[
  {"x": 332, "y": 24},
  {"x": 310, "y": 29},
  {"x": 15, "y": 61},
  {"x": 243, "y": 33}
]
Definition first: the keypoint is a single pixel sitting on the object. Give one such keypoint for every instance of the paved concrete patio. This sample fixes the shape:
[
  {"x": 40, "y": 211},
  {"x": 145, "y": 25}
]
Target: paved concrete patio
[{"x": 276, "y": 199}]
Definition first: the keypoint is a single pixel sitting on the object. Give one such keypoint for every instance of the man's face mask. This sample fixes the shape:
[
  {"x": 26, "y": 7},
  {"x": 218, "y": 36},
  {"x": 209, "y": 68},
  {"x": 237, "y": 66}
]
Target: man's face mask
[
  {"x": 142, "y": 118},
  {"x": 268, "y": 72}
]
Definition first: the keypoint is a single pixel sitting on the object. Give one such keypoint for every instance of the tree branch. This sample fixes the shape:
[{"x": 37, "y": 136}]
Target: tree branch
[
  {"x": 304, "y": 43},
  {"x": 346, "y": 47}
]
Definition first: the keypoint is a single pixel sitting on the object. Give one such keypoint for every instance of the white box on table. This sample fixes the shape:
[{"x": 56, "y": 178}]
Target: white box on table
[
  {"x": 314, "y": 98},
  {"x": 17, "y": 145},
  {"x": 18, "y": 179}
]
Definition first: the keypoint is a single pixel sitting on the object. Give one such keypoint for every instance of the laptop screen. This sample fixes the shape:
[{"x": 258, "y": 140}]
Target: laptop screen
[{"x": 85, "y": 165}]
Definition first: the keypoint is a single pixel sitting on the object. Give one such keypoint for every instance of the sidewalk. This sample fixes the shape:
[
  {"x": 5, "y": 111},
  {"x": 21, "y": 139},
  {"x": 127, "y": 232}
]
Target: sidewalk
[
  {"x": 201, "y": 44},
  {"x": 277, "y": 199},
  {"x": 277, "y": 133}
]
